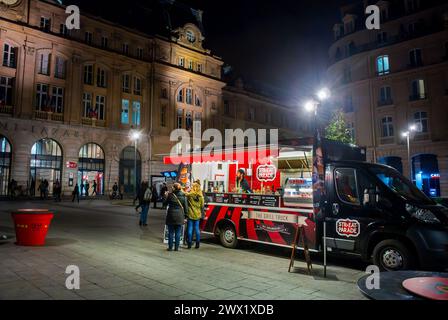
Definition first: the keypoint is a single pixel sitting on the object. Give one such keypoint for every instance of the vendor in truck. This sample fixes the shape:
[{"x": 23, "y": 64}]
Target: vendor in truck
[{"x": 241, "y": 182}]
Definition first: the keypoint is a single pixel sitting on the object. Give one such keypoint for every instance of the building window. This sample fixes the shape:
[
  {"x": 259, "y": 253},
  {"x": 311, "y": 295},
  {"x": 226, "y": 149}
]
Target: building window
[
  {"x": 57, "y": 100},
  {"x": 180, "y": 117},
  {"x": 189, "y": 96},
  {"x": 189, "y": 121},
  {"x": 87, "y": 105},
  {"x": 180, "y": 96},
  {"x": 199, "y": 67},
  {"x": 382, "y": 37},
  {"x": 140, "y": 53},
  {"x": 44, "y": 63},
  {"x": 352, "y": 131},
  {"x": 45, "y": 24},
  {"x": 101, "y": 78},
  {"x": 387, "y": 127},
  {"x": 163, "y": 116},
  {"x": 415, "y": 58},
  {"x": 100, "y": 107},
  {"x": 6, "y": 86},
  {"x": 385, "y": 96},
  {"x": 136, "y": 108},
  {"x": 421, "y": 120},
  {"x": 190, "y": 64},
  {"x": 9, "y": 56},
  {"x": 125, "y": 111},
  {"x": 59, "y": 70},
  {"x": 125, "y": 83},
  {"x": 348, "y": 104},
  {"x": 41, "y": 97},
  {"x": 181, "y": 62},
  {"x": 382, "y": 65},
  {"x": 125, "y": 48},
  {"x": 418, "y": 90},
  {"x": 88, "y": 37},
  {"x": 190, "y": 36},
  {"x": 63, "y": 30},
  {"x": 88, "y": 74},
  {"x": 104, "y": 42},
  {"x": 137, "y": 86}
]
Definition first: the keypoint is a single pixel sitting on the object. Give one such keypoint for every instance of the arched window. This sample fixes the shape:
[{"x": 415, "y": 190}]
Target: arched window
[
  {"x": 191, "y": 36},
  {"x": 421, "y": 120},
  {"x": 91, "y": 168},
  {"x": 382, "y": 65},
  {"x": 46, "y": 164}
]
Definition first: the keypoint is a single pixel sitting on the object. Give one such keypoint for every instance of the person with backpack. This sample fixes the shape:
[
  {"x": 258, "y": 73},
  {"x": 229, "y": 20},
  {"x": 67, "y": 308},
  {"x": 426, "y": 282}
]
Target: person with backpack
[
  {"x": 145, "y": 206},
  {"x": 195, "y": 213},
  {"x": 175, "y": 215}
]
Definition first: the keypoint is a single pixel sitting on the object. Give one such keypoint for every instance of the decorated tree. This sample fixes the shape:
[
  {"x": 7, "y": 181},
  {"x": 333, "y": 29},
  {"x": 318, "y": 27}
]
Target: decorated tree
[{"x": 337, "y": 129}]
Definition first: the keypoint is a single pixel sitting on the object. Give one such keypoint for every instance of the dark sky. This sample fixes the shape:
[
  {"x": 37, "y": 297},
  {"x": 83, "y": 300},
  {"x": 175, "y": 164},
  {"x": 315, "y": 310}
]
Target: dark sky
[{"x": 280, "y": 45}]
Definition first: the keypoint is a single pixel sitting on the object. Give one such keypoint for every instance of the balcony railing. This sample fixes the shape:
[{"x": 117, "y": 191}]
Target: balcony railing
[
  {"x": 387, "y": 102},
  {"x": 418, "y": 97},
  {"x": 93, "y": 122},
  {"x": 6, "y": 109},
  {"x": 50, "y": 116}
]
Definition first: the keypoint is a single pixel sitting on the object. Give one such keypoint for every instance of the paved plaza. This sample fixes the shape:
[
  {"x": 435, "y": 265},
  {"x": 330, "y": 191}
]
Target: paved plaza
[{"x": 120, "y": 260}]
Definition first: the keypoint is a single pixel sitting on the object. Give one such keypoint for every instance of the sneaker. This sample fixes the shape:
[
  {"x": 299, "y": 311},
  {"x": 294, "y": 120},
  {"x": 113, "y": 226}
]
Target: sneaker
[
  {"x": 189, "y": 246},
  {"x": 197, "y": 246},
  {"x": 169, "y": 249}
]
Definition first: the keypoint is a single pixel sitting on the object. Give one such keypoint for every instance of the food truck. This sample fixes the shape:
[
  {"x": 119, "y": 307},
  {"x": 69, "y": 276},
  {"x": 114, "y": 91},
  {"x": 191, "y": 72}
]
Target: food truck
[{"x": 344, "y": 204}]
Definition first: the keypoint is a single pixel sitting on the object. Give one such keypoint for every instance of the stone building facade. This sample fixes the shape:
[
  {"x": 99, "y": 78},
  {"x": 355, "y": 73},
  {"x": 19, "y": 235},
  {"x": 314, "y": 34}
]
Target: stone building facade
[
  {"x": 394, "y": 78},
  {"x": 71, "y": 99}
]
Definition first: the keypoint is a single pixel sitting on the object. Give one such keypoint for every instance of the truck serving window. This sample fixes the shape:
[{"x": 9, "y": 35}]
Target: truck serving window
[{"x": 346, "y": 185}]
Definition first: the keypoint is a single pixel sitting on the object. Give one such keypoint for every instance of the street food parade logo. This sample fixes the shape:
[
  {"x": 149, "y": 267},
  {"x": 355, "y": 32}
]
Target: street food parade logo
[
  {"x": 266, "y": 173},
  {"x": 348, "y": 228}
]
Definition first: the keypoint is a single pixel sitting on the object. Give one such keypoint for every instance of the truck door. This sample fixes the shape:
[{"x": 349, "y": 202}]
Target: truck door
[{"x": 348, "y": 217}]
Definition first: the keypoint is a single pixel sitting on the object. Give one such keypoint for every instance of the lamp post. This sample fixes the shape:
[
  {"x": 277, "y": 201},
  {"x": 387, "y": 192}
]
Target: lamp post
[
  {"x": 407, "y": 135},
  {"x": 135, "y": 136},
  {"x": 312, "y": 106}
]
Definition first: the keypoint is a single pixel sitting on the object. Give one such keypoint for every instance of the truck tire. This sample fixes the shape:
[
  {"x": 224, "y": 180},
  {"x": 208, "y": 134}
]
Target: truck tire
[
  {"x": 228, "y": 237},
  {"x": 392, "y": 255}
]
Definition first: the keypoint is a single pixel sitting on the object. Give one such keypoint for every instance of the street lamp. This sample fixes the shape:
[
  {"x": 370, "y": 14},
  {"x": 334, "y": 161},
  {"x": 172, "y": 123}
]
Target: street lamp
[
  {"x": 407, "y": 135},
  {"x": 135, "y": 136},
  {"x": 323, "y": 94}
]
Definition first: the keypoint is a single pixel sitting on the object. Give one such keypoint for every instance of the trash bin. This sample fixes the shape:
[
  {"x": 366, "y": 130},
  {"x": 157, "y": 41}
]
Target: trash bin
[{"x": 31, "y": 226}]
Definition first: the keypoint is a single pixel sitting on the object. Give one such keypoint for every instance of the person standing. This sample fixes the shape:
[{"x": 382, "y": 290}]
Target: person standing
[
  {"x": 41, "y": 189},
  {"x": 140, "y": 196},
  {"x": 87, "y": 187},
  {"x": 145, "y": 206},
  {"x": 46, "y": 188},
  {"x": 57, "y": 191},
  {"x": 95, "y": 186},
  {"x": 75, "y": 193},
  {"x": 195, "y": 213},
  {"x": 175, "y": 216},
  {"x": 163, "y": 192},
  {"x": 121, "y": 192},
  {"x": 115, "y": 191},
  {"x": 154, "y": 195}
]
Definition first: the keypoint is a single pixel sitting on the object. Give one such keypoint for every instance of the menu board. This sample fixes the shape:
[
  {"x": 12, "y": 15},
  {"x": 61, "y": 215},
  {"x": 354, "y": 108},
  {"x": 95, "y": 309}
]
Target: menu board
[{"x": 245, "y": 199}]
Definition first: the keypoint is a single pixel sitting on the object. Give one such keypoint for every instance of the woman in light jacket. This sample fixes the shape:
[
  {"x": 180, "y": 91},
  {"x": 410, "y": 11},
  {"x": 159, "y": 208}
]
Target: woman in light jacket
[{"x": 195, "y": 213}]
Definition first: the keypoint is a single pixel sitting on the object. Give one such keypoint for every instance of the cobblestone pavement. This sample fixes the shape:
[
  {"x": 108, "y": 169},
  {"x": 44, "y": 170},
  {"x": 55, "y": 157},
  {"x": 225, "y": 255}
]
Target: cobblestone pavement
[{"x": 120, "y": 260}]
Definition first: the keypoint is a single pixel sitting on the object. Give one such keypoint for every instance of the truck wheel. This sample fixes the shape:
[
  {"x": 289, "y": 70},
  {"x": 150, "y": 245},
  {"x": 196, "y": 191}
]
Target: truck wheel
[
  {"x": 392, "y": 255},
  {"x": 227, "y": 236}
]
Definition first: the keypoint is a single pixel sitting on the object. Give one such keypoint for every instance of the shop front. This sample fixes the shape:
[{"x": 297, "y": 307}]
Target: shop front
[
  {"x": 5, "y": 165},
  {"x": 91, "y": 169}
]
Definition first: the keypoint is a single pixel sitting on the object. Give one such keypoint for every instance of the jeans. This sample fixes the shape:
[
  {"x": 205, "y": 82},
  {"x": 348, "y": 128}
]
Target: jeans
[
  {"x": 174, "y": 232},
  {"x": 144, "y": 214},
  {"x": 193, "y": 225}
]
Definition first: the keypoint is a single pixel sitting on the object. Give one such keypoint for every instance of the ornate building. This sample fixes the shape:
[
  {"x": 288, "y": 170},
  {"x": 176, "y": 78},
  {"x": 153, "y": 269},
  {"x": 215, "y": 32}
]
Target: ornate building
[
  {"x": 395, "y": 78},
  {"x": 70, "y": 99}
]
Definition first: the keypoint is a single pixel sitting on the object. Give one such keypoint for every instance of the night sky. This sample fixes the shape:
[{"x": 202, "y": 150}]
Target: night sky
[{"x": 278, "y": 45}]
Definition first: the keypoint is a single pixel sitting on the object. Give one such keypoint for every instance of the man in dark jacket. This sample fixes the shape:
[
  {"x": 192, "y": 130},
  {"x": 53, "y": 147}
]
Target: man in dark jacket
[{"x": 175, "y": 216}]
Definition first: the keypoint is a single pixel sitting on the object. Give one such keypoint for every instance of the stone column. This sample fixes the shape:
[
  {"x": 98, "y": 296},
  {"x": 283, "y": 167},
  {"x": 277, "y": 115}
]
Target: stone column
[{"x": 25, "y": 82}]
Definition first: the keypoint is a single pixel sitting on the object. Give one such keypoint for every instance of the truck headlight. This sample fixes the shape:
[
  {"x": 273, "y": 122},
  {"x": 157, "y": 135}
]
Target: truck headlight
[{"x": 423, "y": 215}]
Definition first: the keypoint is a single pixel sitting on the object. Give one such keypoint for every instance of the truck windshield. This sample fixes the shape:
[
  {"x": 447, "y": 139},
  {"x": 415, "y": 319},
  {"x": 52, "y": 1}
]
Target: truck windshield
[{"x": 400, "y": 185}]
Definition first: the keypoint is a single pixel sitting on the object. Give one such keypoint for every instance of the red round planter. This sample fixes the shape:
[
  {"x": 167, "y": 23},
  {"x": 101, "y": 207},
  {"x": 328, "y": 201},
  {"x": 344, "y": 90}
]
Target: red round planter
[{"x": 31, "y": 226}]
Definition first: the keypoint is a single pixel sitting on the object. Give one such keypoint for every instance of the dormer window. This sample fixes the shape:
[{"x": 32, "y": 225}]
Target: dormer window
[{"x": 191, "y": 36}]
